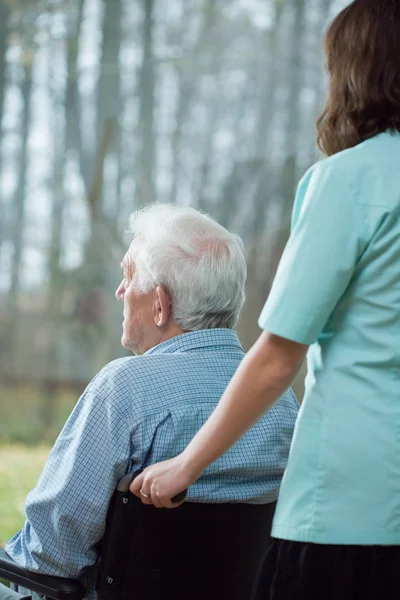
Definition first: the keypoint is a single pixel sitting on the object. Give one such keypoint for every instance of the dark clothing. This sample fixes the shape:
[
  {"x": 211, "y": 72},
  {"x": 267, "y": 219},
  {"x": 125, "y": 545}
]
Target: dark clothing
[{"x": 304, "y": 571}]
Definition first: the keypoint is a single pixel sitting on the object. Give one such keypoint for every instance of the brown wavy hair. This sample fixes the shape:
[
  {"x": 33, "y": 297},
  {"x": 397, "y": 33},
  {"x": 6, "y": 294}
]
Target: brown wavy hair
[{"x": 362, "y": 47}]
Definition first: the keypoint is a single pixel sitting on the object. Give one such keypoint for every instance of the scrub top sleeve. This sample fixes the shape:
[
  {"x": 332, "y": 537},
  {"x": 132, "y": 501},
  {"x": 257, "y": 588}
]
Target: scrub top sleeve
[{"x": 326, "y": 242}]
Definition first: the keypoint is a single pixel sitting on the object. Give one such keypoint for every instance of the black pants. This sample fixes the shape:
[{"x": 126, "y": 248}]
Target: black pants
[{"x": 300, "y": 571}]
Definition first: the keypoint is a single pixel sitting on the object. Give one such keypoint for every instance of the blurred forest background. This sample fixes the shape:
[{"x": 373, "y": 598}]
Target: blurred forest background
[{"x": 105, "y": 106}]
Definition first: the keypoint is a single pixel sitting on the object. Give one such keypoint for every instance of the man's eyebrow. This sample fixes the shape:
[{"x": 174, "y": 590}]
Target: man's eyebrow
[{"x": 126, "y": 268}]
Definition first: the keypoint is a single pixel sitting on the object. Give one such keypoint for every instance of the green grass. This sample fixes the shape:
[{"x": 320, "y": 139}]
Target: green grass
[{"x": 20, "y": 468}]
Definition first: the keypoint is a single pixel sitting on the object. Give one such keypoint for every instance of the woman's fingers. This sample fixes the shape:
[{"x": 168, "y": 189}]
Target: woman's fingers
[{"x": 159, "y": 483}]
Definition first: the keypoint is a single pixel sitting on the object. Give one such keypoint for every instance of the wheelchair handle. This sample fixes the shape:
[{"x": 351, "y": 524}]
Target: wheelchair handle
[
  {"x": 179, "y": 497},
  {"x": 125, "y": 482}
]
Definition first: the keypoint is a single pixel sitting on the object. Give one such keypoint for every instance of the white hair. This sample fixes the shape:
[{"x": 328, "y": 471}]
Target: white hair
[{"x": 198, "y": 262}]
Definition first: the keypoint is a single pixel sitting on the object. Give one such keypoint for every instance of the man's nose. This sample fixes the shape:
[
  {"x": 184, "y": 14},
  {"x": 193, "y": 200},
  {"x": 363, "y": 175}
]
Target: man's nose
[{"x": 119, "y": 294}]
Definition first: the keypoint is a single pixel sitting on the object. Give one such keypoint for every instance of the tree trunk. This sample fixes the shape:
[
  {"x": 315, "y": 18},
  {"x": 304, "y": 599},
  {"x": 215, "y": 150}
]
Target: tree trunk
[
  {"x": 146, "y": 125},
  {"x": 324, "y": 9},
  {"x": 18, "y": 222},
  {"x": 258, "y": 286},
  {"x": 187, "y": 88},
  {"x": 108, "y": 96},
  {"x": 56, "y": 279},
  {"x": 74, "y": 140},
  {"x": 4, "y": 14}
]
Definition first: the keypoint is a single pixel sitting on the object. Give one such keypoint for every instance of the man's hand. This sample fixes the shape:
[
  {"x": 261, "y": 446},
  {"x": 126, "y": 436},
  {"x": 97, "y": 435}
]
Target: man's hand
[{"x": 161, "y": 482}]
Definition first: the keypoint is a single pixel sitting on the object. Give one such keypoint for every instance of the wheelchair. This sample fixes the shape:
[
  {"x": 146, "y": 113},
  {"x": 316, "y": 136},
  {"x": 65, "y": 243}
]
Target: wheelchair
[{"x": 194, "y": 552}]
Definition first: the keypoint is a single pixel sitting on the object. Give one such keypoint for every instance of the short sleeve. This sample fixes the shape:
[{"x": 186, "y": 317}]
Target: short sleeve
[{"x": 327, "y": 239}]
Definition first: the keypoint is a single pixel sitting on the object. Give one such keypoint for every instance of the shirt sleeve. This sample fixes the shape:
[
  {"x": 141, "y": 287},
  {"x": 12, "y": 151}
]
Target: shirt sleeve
[
  {"x": 66, "y": 512},
  {"x": 328, "y": 237}
]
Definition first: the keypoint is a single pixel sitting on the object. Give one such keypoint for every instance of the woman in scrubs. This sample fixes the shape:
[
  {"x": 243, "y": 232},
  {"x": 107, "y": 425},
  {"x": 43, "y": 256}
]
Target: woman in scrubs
[{"x": 336, "y": 533}]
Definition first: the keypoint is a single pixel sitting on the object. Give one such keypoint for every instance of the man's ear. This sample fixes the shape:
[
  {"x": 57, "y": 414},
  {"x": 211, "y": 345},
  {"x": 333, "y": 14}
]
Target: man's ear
[{"x": 162, "y": 306}]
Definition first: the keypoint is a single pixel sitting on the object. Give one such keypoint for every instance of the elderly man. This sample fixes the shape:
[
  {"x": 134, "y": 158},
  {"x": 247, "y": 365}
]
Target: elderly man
[{"x": 182, "y": 290}]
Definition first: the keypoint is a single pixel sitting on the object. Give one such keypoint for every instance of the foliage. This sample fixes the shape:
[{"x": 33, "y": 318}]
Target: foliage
[{"x": 20, "y": 415}]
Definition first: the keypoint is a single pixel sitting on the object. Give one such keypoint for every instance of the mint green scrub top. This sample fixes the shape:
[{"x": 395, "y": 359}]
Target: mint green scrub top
[{"x": 338, "y": 289}]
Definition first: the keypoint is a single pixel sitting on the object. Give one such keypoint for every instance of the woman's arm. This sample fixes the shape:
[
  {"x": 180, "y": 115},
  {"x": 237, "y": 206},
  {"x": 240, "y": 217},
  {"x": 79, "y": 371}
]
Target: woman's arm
[{"x": 264, "y": 374}]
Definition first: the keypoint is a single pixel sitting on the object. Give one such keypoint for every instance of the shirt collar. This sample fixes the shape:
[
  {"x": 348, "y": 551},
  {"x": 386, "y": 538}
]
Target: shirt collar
[{"x": 198, "y": 340}]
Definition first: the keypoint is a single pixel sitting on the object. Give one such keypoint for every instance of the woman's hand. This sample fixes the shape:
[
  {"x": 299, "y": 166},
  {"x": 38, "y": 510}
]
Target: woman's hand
[
  {"x": 161, "y": 482},
  {"x": 263, "y": 375}
]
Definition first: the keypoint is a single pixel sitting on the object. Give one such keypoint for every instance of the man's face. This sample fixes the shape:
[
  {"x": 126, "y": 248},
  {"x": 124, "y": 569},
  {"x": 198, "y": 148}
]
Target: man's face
[{"x": 138, "y": 327}]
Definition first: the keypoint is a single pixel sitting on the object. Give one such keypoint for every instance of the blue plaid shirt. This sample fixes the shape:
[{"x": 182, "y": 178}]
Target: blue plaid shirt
[{"x": 135, "y": 412}]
